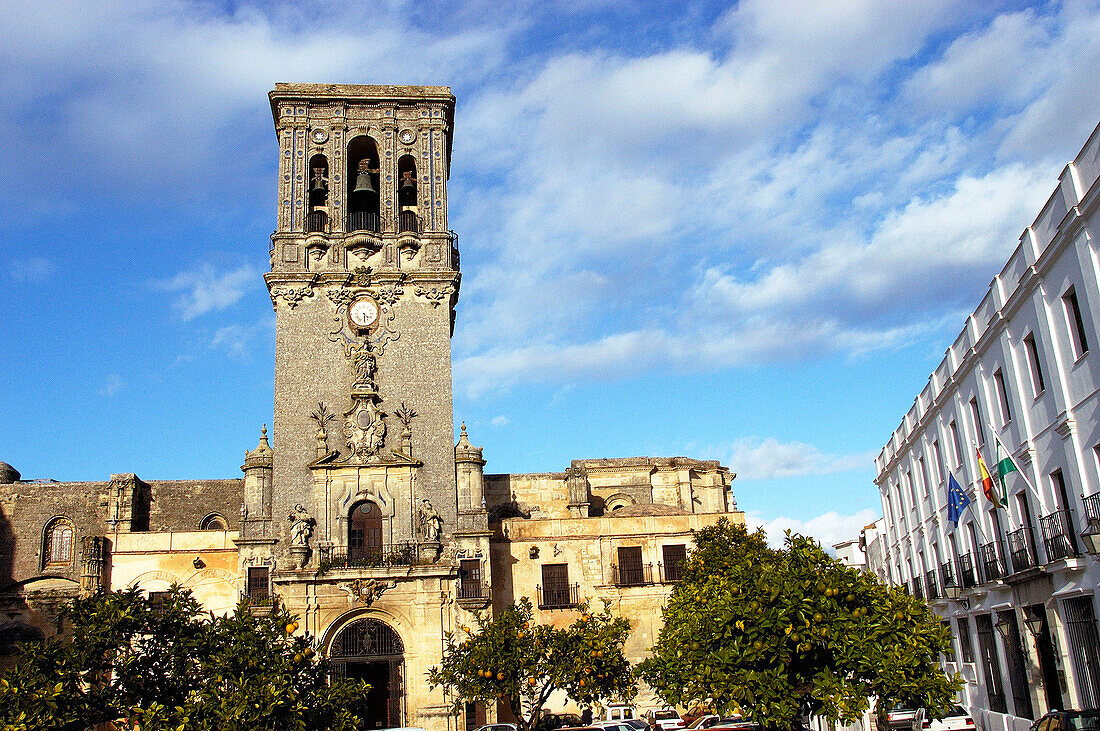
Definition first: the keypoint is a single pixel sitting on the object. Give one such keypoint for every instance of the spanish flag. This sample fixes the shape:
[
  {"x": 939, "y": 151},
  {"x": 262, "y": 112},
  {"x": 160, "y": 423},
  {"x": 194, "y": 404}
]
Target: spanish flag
[{"x": 987, "y": 481}]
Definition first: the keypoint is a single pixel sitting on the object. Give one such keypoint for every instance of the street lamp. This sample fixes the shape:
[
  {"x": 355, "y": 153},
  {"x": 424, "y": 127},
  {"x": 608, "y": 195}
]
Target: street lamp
[
  {"x": 1004, "y": 626},
  {"x": 1091, "y": 536},
  {"x": 1033, "y": 622}
]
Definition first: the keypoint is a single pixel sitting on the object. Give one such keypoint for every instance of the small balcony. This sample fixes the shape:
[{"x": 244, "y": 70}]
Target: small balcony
[
  {"x": 638, "y": 575},
  {"x": 1059, "y": 540},
  {"x": 408, "y": 222},
  {"x": 1021, "y": 549},
  {"x": 317, "y": 222},
  {"x": 369, "y": 557},
  {"x": 947, "y": 577},
  {"x": 931, "y": 586},
  {"x": 992, "y": 568},
  {"x": 363, "y": 221},
  {"x": 917, "y": 590},
  {"x": 670, "y": 573},
  {"x": 558, "y": 597},
  {"x": 968, "y": 577}
]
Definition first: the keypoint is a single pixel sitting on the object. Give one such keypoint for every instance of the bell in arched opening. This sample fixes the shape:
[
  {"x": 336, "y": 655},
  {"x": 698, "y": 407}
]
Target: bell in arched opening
[
  {"x": 318, "y": 184},
  {"x": 363, "y": 183}
]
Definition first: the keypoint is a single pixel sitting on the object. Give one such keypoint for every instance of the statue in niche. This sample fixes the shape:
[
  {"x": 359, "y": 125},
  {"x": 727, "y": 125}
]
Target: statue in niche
[
  {"x": 301, "y": 528},
  {"x": 430, "y": 522}
]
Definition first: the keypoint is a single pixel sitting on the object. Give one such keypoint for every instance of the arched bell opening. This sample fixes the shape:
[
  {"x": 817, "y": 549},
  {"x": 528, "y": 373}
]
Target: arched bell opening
[
  {"x": 371, "y": 650},
  {"x": 317, "y": 217},
  {"x": 408, "y": 213},
  {"x": 365, "y": 533},
  {"x": 363, "y": 203}
]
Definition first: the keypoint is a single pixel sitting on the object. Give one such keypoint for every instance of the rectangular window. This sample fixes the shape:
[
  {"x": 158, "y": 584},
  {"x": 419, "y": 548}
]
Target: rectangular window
[
  {"x": 966, "y": 651},
  {"x": 976, "y": 415},
  {"x": 923, "y": 473},
  {"x": 674, "y": 557},
  {"x": 1076, "y": 323},
  {"x": 631, "y": 571},
  {"x": 1034, "y": 365},
  {"x": 556, "y": 591},
  {"x": 957, "y": 443},
  {"x": 1084, "y": 645},
  {"x": 939, "y": 460},
  {"x": 909, "y": 487},
  {"x": 470, "y": 585},
  {"x": 1002, "y": 396},
  {"x": 258, "y": 586},
  {"x": 158, "y": 600}
]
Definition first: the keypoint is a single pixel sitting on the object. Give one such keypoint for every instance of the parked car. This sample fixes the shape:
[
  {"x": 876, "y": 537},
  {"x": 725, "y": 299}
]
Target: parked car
[
  {"x": 498, "y": 727},
  {"x": 957, "y": 719},
  {"x": 710, "y": 720},
  {"x": 638, "y": 724},
  {"x": 616, "y": 725},
  {"x": 618, "y": 712},
  {"x": 1069, "y": 720},
  {"x": 900, "y": 718},
  {"x": 664, "y": 719}
]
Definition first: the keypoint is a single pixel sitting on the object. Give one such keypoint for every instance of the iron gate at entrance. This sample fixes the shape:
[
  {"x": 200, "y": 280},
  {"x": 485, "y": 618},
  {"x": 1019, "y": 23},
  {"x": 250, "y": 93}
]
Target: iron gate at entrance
[{"x": 370, "y": 650}]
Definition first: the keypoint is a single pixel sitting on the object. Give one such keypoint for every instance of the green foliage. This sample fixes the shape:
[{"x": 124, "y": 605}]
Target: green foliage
[
  {"x": 775, "y": 634},
  {"x": 127, "y": 661},
  {"x": 511, "y": 659}
]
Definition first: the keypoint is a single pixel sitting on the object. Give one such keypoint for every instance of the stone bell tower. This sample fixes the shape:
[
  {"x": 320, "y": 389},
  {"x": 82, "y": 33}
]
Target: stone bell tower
[{"x": 364, "y": 279}]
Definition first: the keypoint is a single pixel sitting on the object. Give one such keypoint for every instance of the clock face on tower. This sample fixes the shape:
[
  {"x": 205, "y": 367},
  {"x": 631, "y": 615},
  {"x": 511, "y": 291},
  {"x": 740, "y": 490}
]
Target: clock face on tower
[{"x": 363, "y": 313}]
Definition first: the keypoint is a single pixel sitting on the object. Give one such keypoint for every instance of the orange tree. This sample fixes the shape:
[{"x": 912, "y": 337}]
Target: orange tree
[
  {"x": 128, "y": 662},
  {"x": 779, "y": 633},
  {"x": 511, "y": 659}
]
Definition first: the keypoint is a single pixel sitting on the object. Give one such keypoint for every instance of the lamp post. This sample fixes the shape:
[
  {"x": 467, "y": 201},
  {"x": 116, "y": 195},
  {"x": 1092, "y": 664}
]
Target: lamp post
[
  {"x": 1004, "y": 627},
  {"x": 1033, "y": 622}
]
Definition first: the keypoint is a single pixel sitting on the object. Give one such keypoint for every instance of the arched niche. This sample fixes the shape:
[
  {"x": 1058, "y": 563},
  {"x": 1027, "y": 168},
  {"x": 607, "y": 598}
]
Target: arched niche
[
  {"x": 363, "y": 181},
  {"x": 408, "y": 215}
]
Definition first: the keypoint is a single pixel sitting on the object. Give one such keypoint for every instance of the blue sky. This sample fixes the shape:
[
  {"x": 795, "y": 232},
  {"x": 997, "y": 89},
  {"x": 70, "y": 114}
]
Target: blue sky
[{"x": 743, "y": 232}]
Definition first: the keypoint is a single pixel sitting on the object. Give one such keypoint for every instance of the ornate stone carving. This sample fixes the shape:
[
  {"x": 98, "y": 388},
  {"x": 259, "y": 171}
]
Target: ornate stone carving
[
  {"x": 406, "y": 415},
  {"x": 323, "y": 417},
  {"x": 431, "y": 525},
  {"x": 291, "y": 295},
  {"x": 365, "y": 591},
  {"x": 435, "y": 295},
  {"x": 390, "y": 293},
  {"x": 365, "y": 365},
  {"x": 364, "y": 428}
]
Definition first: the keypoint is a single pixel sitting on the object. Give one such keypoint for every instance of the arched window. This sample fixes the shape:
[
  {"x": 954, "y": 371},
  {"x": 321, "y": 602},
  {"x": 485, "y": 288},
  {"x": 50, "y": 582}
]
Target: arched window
[
  {"x": 317, "y": 217},
  {"x": 365, "y": 531},
  {"x": 214, "y": 521},
  {"x": 408, "y": 215},
  {"x": 362, "y": 179},
  {"x": 57, "y": 543}
]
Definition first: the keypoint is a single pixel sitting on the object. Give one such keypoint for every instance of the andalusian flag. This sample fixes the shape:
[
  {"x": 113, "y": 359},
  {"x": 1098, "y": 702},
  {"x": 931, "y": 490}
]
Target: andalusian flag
[
  {"x": 1004, "y": 466},
  {"x": 987, "y": 481}
]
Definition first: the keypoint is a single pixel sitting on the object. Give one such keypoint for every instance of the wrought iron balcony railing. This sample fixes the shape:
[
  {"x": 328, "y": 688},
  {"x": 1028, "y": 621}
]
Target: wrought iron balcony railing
[
  {"x": 558, "y": 597},
  {"x": 364, "y": 557},
  {"x": 363, "y": 221},
  {"x": 918, "y": 592},
  {"x": 968, "y": 576},
  {"x": 473, "y": 590},
  {"x": 317, "y": 222},
  {"x": 1058, "y": 537},
  {"x": 671, "y": 572},
  {"x": 407, "y": 221},
  {"x": 948, "y": 578},
  {"x": 1021, "y": 548},
  {"x": 639, "y": 575},
  {"x": 931, "y": 587},
  {"x": 992, "y": 568}
]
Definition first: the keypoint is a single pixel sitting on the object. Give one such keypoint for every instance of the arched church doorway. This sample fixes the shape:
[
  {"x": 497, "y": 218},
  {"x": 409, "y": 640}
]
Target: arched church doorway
[
  {"x": 365, "y": 531},
  {"x": 369, "y": 649}
]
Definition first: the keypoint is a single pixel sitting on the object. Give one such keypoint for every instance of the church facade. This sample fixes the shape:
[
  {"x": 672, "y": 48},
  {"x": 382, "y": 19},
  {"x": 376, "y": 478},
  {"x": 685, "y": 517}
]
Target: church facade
[{"x": 364, "y": 516}]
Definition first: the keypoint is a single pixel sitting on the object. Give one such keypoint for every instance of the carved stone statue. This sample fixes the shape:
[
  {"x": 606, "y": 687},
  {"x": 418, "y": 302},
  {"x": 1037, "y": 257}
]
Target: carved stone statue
[
  {"x": 430, "y": 522},
  {"x": 365, "y": 366}
]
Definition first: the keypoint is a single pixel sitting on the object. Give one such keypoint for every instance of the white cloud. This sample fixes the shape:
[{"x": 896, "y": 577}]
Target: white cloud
[
  {"x": 208, "y": 290},
  {"x": 753, "y": 458},
  {"x": 239, "y": 341},
  {"x": 111, "y": 385},
  {"x": 499, "y": 420},
  {"x": 34, "y": 269},
  {"x": 827, "y": 529}
]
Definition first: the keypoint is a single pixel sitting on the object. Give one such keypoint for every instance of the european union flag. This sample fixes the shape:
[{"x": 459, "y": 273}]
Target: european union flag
[{"x": 957, "y": 500}]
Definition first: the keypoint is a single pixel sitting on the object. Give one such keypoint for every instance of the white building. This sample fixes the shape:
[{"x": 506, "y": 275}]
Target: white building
[{"x": 1022, "y": 580}]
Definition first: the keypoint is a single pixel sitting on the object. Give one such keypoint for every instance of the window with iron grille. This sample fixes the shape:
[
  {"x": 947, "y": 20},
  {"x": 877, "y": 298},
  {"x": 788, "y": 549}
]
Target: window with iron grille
[
  {"x": 630, "y": 566},
  {"x": 966, "y": 650},
  {"x": 991, "y": 668},
  {"x": 1084, "y": 648},
  {"x": 673, "y": 558},
  {"x": 158, "y": 600},
  {"x": 1017, "y": 672},
  {"x": 555, "y": 585},
  {"x": 258, "y": 586},
  {"x": 58, "y": 543},
  {"x": 469, "y": 579}
]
